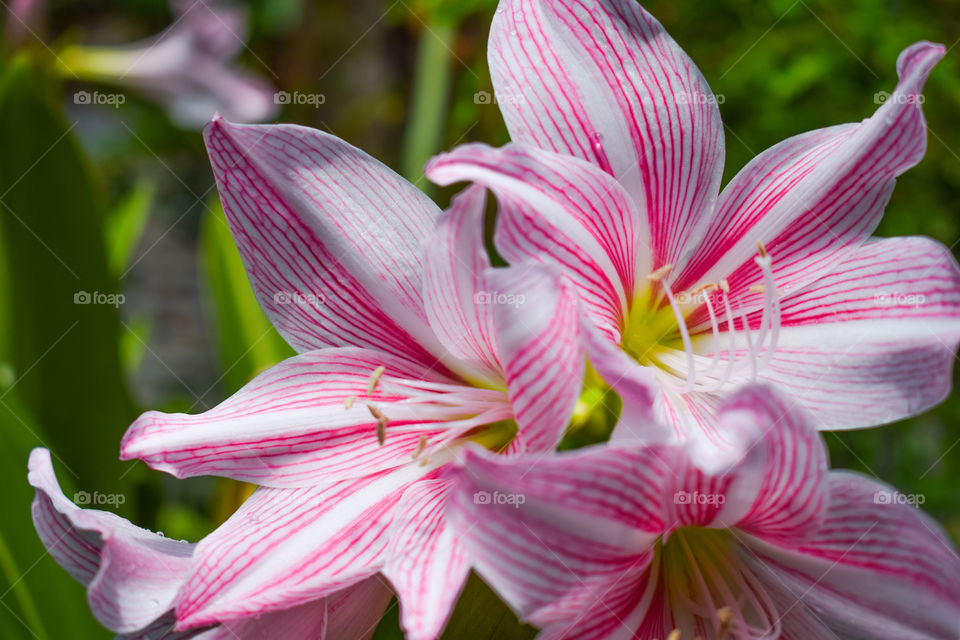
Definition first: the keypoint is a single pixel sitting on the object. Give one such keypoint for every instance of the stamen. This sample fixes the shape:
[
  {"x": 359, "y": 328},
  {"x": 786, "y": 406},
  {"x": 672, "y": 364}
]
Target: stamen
[
  {"x": 421, "y": 445},
  {"x": 375, "y": 378},
  {"x": 714, "y": 326},
  {"x": 381, "y": 423},
  {"x": 348, "y": 403},
  {"x": 659, "y": 274},
  {"x": 771, "y": 301},
  {"x": 723, "y": 613},
  {"x": 674, "y": 635},
  {"x": 685, "y": 336}
]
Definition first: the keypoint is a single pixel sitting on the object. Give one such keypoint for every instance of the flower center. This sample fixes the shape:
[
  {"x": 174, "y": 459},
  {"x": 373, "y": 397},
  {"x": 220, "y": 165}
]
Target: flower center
[
  {"x": 706, "y": 583},
  {"x": 657, "y": 331}
]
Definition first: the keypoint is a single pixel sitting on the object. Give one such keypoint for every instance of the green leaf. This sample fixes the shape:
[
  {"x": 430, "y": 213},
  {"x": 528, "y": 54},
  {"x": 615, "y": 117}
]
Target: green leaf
[
  {"x": 40, "y": 600},
  {"x": 125, "y": 224},
  {"x": 246, "y": 341},
  {"x": 62, "y": 300}
]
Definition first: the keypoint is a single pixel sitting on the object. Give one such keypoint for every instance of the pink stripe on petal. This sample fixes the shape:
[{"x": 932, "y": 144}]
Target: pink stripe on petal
[
  {"x": 330, "y": 237},
  {"x": 878, "y": 568},
  {"x": 290, "y": 426},
  {"x": 132, "y": 575},
  {"x": 456, "y": 262},
  {"x": 286, "y": 547},
  {"x": 425, "y": 561},
  {"x": 561, "y": 210},
  {"x": 536, "y": 317},
  {"x": 601, "y": 80},
  {"x": 813, "y": 199}
]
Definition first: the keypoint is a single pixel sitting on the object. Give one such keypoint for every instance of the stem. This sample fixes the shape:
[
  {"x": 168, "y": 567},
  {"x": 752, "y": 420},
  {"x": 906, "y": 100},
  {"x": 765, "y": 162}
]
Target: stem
[{"x": 431, "y": 88}]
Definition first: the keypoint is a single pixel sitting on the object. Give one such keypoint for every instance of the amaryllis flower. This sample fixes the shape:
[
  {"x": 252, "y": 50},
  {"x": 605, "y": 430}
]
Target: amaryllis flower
[
  {"x": 133, "y": 575},
  {"x": 614, "y": 176},
  {"x": 411, "y": 346},
  {"x": 188, "y": 68},
  {"x": 656, "y": 541}
]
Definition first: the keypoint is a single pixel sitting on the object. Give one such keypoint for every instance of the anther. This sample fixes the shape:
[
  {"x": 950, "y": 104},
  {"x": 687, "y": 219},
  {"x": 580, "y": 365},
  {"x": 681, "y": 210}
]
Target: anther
[
  {"x": 421, "y": 445},
  {"x": 348, "y": 403},
  {"x": 381, "y": 423},
  {"x": 674, "y": 635},
  {"x": 761, "y": 249},
  {"x": 660, "y": 273},
  {"x": 375, "y": 378},
  {"x": 725, "y": 286},
  {"x": 725, "y": 617},
  {"x": 757, "y": 288}
]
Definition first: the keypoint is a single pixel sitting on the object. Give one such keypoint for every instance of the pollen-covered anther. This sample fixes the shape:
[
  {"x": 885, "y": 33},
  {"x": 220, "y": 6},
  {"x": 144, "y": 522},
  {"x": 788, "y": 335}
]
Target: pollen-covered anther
[
  {"x": 674, "y": 635},
  {"x": 381, "y": 423},
  {"x": 757, "y": 288},
  {"x": 761, "y": 249},
  {"x": 421, "y": 445},
  {"x": 375, "y": 378},
  {"x": 724, "y": 286},
  {"x": 725, "y": 618},
  {"x": 348, "y": 403},
  {"x": 660, "y": 274}
]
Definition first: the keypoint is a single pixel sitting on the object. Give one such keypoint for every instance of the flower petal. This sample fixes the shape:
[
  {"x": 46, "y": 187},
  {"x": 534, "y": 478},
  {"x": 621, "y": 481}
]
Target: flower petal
[
  {"x": 456, "y": 263},
  {"x": 557, "y": 209},
  {"x": 330, "y": 237},
  {"x": 290, "y": 427},
  {"x": 286, "y": 547},
  {"x": 878, "y": 568},
  {"x": 132, "y": 575},
  {"x": 546, "y": 531},
  {"x": 601, "y": 80},
  {"x": 426, "y": 564},
  {"x": 352, "y": 613},
  {"x": 814, "y": 198},
  {"x": 874, "y": 341},
  {"x": 536, "y": 315}
]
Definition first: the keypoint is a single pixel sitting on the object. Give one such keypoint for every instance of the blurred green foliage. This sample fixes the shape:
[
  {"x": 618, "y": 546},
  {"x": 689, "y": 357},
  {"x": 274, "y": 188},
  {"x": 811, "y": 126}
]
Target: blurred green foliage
[{"x": 78, "y": 191}]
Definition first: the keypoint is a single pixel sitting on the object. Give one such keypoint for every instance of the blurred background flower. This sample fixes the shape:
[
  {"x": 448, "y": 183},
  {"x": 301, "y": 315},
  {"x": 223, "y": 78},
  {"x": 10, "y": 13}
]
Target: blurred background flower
[{"x": 120, "y": 287}]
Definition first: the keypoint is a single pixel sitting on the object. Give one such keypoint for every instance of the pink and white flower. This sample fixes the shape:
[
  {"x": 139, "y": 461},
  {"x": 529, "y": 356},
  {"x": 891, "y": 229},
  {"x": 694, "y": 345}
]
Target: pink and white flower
[
  {"x": 410, "y": 347},
  {"x": 188, "y": 68},
  {"x": 133, "y": 575},
  {"x": 614, "y": 175},
  {"x": 651, "y": 540}
]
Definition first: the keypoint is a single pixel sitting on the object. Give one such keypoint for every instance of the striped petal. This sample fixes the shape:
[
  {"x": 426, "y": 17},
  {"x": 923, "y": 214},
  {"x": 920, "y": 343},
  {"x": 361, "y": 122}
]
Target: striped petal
[
  {"x": 456, "y": 263},
  {"x": 536, "y": 316},
  {"x": 351, "y": 613},
  {"x": 426, "y": 564},
  {"x": 287, "y": 547},
  {"x": 330, "y": 237},
  {"x": 812, "y": 199},
  {"x": 561, "y": 210},
  {"x": 878, "y": 568},
  {"x": 601, "y": 80},
  {"x": 548, "y": 532},
  {"x": 132, "y": 575},
  {"x": 292, "y": 426},
  {"x": 874, "y": 341}
]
